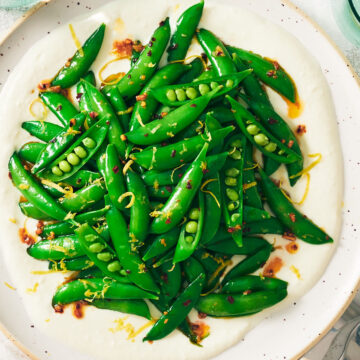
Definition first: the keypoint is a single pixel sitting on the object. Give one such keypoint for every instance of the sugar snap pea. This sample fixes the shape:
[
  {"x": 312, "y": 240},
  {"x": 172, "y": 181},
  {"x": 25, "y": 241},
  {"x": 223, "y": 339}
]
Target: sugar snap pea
[
  {"x": 30, "y": 151},
  {"x": 43, "y": 130},
  {"x": 31, "y": 211},
  {"x": 267, "y": 226},
  {"x": 197, "y": 67},
  {"x": 75, "y": 264}
]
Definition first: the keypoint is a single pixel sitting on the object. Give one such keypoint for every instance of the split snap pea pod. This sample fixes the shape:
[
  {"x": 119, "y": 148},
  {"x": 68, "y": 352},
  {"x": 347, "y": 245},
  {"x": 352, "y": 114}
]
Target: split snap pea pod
[
  {"x": 80, "y": 153},
  {"x": 175, "y": 121},
  {"x": 33, "y": 191},
  {"x": 101, "y": 106},
  {"x": 30, "y": 151},
  {"x": 76, "y": 264},
  {"x": 59, "y": 144},
  {"x": 181, "y": 94},
  {"x": 113, "y": 176},
  {"x": 59, "y": 248},
  {"x": 162, "y": 243},
  {"x": 216, "y": 52},
  {"x": 127, "y": 252},
  {"x": 267, "y": 226},
  {"x": 232, "y": 180},
  {"x": 251, "y": 263},
  {"x": 84, "y": 198},
  {"x": 180, "y": 200},
  {"x": 289, "y": 216},
  {"x": 80, "y": 63},
  {"x": 228, "y": 246},
  {"x": 269, "y": 72},
  {"x": 252, "y": 87},
  {"x": 274, "y": 123},
  {"x": 253, "y": 283},
  {"x": 197, "y": 67},
  {"x": 31, "y": 211},
  {"x": 65, "y": 227},
  {"x": 93, "y": 289},
  {"x": 140, "y": 209},
  {"x": 256, "y": 133},
  {"x": 178, "y": 311},
  {"x": 191, "y": 232},
  {"x": 135, "y": 307},
  {"x": 172, "y": 177},
  {"x": 238, "y": 304},
  {"x": 82, "y": 178},
  {"x": 185, "y": 30},
  {"x": 171, "y": 156},
  {"x": 146, "y": 104},
  {"x": 251, "y": 214},
  {"x": 99, "y": 252},
  {"x": 43, "y": 130},
  {"x": 59, "y": 105},
  {"x": 147, "y": 63}
]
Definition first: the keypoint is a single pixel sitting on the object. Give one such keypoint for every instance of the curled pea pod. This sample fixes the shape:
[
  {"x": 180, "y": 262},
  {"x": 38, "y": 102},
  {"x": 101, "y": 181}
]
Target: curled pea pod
[
  {"x": 59, "y": 144},
  {"x": 216, "y": 52},
  {"x": 127, "y": 253},
  {"x": 228, "y": 246},
  {"x": 79, "y": 153},
  {"x": 64, "y": 247},
  {"x": 113, "y": 176},
  {"x": 93, "y": 289},
  {"x": 289, "y": 216},
  {"x": 80, "y": 63},
  {"x": 251, "y": 194},
  {"x": 171, "y": 156},
  {"x": 251, "y": 214},
  {"x": 250, "y": 264},
  {"x": 233, "y": 201},
  {"x": 225, "y": 305},
  {"x": 185, "y": 30},
  {"x": 268, "y": 226},
  {"x": 59, "y": 105},
  {"x": 178, "y": 311},
  {"x": 31, "y": 211},
  {"x": 269, "y": 72},
  {"x": 140, "y": 209},
  {"x": 172, "y": 177},
  {"x": 256, "y": 133},
  {"x": 33, "y": 191},
  {"x": 191, "y": 232},
  {"x": 65, "y": 227},
  {"x": 278, "y": 127},
  {"x": 160, "y": 192},
  {"x": 163, "y": 129},
  {"x": 252, "y": 87},
  {"x": 161, "y": 244},
  {"x": 197, "y": 67},
  {"x": 147, "y": 63},
  {"x": 99, "y": 252},
  {"x": 180, "y": 200},
  {"x": 101, "y": 106},
  {"x": 43, "y": 130},
  {"x": 30, "y": 151},
  {"x": 76, "y": 264},
  {"x": 135, "y": 307},
  {"x": 253, "y": 283},
  {"x": 181, "y": 94},
  {"x": 84, "y": 198},
  {"x": 146, "y": 104}
]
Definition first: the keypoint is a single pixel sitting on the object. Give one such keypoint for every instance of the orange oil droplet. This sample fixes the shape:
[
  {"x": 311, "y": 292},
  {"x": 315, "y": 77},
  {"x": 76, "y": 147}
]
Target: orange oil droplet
[{"x": 294, "y": 109}]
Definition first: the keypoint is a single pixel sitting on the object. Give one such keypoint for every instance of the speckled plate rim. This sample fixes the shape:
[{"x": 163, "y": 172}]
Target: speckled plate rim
[{"x": 25, "y": 17}]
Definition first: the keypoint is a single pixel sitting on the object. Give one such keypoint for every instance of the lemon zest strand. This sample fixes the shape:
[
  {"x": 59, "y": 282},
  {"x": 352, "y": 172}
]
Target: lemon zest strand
[
  {"x": 209, "y": 192},
  {"x": 311, "y": 166},
  {"x": 34, "y": 289},
  {"x": 188, "y": 58},
  {"x": 217, "y": 271},
  {"x": 76, "y": 40},
  {"x": 44, "y": 113},
  {"x": 307, "y": 188},
  {"x": 173, "y": 172},
  {"x": 249, "y": 186},
  {"x": 104, "y": 67},
  {"x": 9, "y": 286},
  {"x": 125, "y": 195},
  {"x": 127, "y": 166}
]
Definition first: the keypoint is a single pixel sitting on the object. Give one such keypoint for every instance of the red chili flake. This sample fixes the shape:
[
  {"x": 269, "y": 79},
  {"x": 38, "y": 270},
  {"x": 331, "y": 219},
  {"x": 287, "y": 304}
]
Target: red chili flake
[
  {"x": 272, "y": 121},
  {"x": 301, "y": 129},
  {"x": 271, "y": 73},
  {"x": 201, "y": 315},
  {"x": 173, "y": 153},
  {"x": 151, "y": 44},
  {"x": 289, "y": 236},
  {"x": 188, "y": 185},
  {"x": 108, "y": 122},
  {"x": 165, "y": 278},
  {"x": 115, "y": 169},
  {"x": 180, "y": 175},
  {"x": 283, "y": 141},
  {"x": 78, "y": 96},
  {"x": 276, "y": 65},
  {"x": 231, "y": 229},
  {"x": 146, "y": 135},
  {"x": 149, "y": 53},
  {"x": 59, "y": 309},
  {"x": 128, "y": 271},
  {"x": 173, "y": 47},
  {"x": 153, "y": 39},
  {"x": 78, "y": 181},
  {"x": 162, "y": 23},
  {"x": 142, "y": 97},
  {"x": 169, "y": 189},
  {"x": 9, "y": 175},
  {"x": 59, "y": 108},
  {"x": 290, "y": 144},
  {"x": 129, "y": 76},
  {"x": 72, "y": 122},
  {"x": 205, "y": 171},
  {"x": 230, "y": 299},
  {"x": 163, "y": 114},
  {"x": 247, "y": 292},
  {"x": 39, "y": 227},
  {"x": 164, "y": 143},
  {"x": 204, "y": 57},
  {"x": 168, "y": 221},
  {"x": 187, "y": 302},
  {"x": 193, "y": 105},
  {"x": 93, "y": 114},
  {"x": 292, "y": 217}
]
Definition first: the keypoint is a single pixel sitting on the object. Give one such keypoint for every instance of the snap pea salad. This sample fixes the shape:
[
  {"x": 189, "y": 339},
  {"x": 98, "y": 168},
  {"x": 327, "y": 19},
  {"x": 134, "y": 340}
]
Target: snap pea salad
[{"x": 147, "y": 186}]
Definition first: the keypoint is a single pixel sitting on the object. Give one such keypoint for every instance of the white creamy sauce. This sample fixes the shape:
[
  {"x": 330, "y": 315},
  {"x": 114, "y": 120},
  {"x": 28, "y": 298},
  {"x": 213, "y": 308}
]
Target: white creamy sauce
[{"x": 137, "y": 20}]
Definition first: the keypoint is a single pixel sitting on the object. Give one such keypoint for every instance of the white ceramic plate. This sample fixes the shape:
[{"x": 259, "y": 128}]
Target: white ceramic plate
[{"x": 315, "y": 313}]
